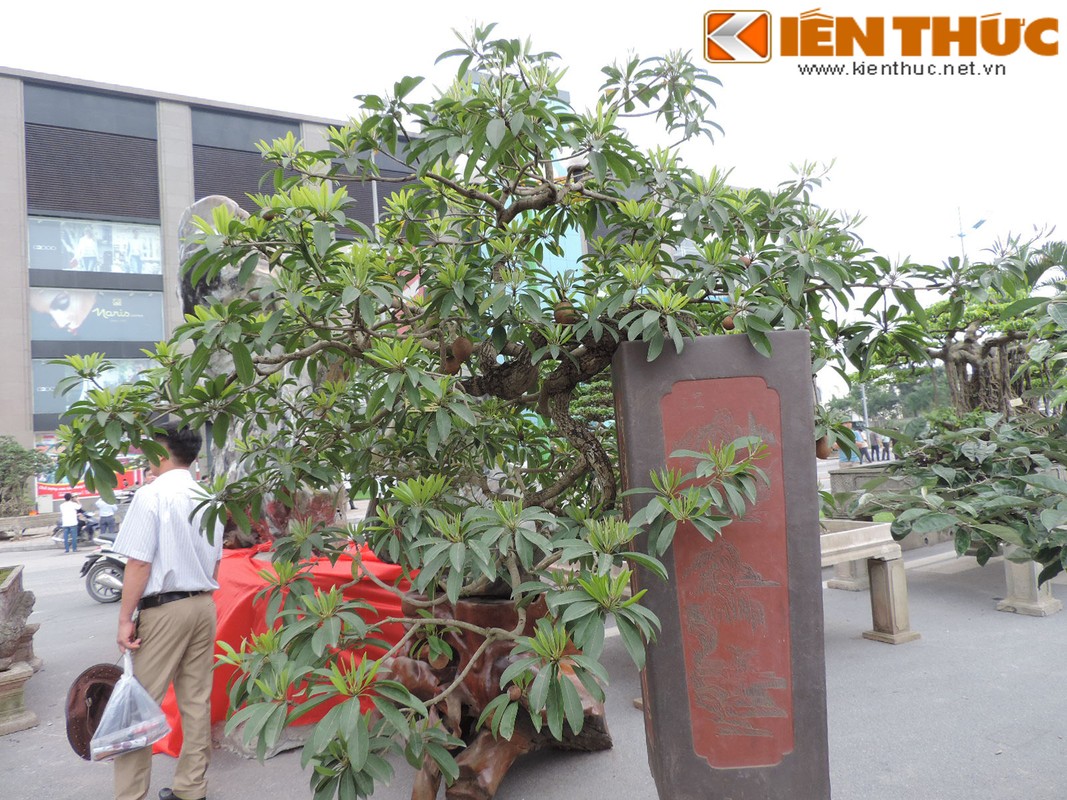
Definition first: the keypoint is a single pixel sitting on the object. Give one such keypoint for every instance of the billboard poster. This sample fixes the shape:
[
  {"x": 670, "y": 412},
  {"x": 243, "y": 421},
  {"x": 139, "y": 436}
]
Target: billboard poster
[
  {"x": 93, "y": 246},
  {"x": 62, "y": 315},
  {"x": 47, "y": 375}
]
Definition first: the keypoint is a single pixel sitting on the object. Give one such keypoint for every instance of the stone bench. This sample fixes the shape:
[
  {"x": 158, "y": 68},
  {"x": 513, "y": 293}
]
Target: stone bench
[{"x": 864, "y": 555}]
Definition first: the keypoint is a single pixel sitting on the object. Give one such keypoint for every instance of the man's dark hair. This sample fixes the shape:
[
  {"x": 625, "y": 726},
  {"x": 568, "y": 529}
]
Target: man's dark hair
[
  {"x": 183, "y": 443},
  {"x": 68, "y": 496}
]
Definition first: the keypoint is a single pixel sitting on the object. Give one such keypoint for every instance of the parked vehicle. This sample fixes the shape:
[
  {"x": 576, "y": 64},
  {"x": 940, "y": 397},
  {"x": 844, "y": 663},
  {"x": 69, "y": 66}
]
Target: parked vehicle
[
  {"x": 103, "y": 572},
  {"x": 87, "y": 529}
]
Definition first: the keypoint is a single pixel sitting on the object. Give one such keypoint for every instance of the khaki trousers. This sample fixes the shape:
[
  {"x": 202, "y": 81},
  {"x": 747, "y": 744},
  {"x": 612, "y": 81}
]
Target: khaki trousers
[{"x": 177, "y": 643}]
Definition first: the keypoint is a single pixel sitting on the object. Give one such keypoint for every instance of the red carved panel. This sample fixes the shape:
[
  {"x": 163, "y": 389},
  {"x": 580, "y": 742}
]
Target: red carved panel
[{"x": 733, "y": 593}]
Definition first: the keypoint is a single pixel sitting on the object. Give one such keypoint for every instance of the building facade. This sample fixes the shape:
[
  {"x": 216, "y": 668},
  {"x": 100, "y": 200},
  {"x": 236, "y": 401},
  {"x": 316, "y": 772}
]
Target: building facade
[{"x": 93, "y": 181}]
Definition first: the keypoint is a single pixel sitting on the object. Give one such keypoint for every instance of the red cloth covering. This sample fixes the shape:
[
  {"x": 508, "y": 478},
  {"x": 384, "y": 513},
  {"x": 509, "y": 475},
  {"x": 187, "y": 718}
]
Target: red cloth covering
[{"x": 239, "y": 617}]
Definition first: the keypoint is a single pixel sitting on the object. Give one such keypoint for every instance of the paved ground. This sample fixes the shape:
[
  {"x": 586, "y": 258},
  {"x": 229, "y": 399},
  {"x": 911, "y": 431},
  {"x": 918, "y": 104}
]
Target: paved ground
[{"x": 975, "y": 710}]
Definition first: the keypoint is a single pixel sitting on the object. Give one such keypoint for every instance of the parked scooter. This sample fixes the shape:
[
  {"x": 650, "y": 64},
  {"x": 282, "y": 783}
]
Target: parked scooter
[
  {"x": 87, "y": 529},
  {"x": 103, "y": 572}
]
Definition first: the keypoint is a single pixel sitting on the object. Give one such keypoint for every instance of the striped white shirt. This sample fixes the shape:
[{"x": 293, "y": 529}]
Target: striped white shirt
[{"x": 157, "y": 530}]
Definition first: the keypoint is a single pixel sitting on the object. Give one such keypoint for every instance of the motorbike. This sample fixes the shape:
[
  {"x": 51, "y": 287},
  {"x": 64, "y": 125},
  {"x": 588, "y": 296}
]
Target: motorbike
[
  {"x": 103, "y": 572},
  {"x": 87, "y": 529}
]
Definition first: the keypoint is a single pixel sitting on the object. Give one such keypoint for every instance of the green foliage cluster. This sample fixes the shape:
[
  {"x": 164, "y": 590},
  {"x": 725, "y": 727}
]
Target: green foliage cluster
[
  {"x": 987, "y": 481},
  {"x": 17, "y": 465}
]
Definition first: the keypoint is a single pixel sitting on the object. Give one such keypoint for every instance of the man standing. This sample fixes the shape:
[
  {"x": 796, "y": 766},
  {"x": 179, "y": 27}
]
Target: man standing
[
  {"x": 68, "y": 519},
  {"x": 876, "y": 446},
  {"x": 106, "y": 511},
  {"x": 861, "y": 445},
  {"x": 171, "y": 574}
]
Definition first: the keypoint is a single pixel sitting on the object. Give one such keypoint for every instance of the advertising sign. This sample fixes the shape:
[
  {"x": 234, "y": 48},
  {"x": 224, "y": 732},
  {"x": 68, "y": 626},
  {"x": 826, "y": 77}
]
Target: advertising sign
[
  {"x": 93, "y": 246},
  {"x": 61, "y": 315}
]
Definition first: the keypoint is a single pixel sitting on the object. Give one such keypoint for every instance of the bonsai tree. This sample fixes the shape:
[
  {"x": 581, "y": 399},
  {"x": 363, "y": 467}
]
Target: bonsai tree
[
  {"x": 981, "y": 333},
  {"x": 436, "y": 363},
  {"x": 996, "y": 478},
  {"x": 17, "y": 465}
]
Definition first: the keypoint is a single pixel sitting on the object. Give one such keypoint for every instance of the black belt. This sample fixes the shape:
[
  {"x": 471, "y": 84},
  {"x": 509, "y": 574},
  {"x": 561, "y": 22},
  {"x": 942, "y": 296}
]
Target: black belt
[{"x": 153, "y": 600}]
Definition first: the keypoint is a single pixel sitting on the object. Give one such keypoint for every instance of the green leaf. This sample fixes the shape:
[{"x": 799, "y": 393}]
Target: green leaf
[
  {"x": 321, "y": 237},
  {"x": 760, "y": 341},
  {"x": 1053, "y": 518},
  {"x": 1048, "y": 482},
  {"x": 572, "y": 704},
  {"x": 1058, "y": 312},
  {"x": 507, "y": 721},
  {"x": 113, "y": 433},
  {"x": 935, "y": 521},
  {"x": 1003, "y": 532},
  {"x": 358, "y": 741},
  {"x": 631, "y": 638},
  {"x": 495, "y": 131},
  {"x": 963, "y": 541},
  {"x": 444, "y": 761},
  {"x": 242, "y": 362}
]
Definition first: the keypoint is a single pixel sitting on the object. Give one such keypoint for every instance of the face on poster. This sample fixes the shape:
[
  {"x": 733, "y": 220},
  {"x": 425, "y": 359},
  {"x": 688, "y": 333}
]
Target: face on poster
[
  {"x": 93, "y": 246},
  {"x": 61, "y": 315}
]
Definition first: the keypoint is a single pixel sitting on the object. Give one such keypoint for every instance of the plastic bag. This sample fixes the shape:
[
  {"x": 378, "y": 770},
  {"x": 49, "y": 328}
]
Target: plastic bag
[{"x": 131, "y": 720}]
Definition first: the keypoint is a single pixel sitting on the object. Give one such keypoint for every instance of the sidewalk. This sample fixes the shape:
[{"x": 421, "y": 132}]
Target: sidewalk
[{"x": 31, "y": 539}]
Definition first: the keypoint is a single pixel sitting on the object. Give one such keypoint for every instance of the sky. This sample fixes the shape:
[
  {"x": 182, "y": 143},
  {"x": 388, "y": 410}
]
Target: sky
[{"x": 922, "y": 157}]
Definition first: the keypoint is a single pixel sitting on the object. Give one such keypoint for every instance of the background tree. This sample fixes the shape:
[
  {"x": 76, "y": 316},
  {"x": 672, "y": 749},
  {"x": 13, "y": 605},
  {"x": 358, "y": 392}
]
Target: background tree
[
  {"x": 17, "y": 465},
  {"x": 981, "y": 330},
  {"x": 895, "y": 392}
]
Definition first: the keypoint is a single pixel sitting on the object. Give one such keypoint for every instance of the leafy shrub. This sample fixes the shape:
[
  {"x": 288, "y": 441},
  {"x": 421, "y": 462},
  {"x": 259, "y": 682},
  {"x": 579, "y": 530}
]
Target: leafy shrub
[{"x": 988, "y": 481}]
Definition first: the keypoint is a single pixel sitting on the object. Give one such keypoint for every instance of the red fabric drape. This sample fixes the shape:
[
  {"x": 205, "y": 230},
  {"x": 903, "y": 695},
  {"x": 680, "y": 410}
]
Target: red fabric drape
[{"x": 239, "y": 616}]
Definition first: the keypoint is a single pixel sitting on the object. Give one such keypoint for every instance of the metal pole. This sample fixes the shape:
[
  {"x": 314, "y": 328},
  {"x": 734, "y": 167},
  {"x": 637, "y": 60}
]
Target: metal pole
[{"x": 863, "y": 394}]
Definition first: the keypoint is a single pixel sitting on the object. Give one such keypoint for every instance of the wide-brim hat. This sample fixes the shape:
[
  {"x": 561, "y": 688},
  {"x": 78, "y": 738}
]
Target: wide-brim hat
[{"x": 86, "y": 700}]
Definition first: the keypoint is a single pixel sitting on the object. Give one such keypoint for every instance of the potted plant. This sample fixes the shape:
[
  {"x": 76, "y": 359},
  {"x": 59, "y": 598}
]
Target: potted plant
[
  {"x": 436, "y": 362},
  {"x": 17, "y": 661}
]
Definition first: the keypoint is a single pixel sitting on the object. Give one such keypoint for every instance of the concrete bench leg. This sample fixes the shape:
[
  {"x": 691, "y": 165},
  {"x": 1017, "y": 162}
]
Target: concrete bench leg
[
  {"x": 1024, "y": 595},
  {"x": 889, "y": 602},
  {"x": 850, "y": 576}
]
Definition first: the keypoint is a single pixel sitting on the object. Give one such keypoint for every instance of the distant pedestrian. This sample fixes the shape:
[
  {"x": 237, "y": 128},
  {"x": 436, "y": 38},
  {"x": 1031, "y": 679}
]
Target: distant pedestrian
[
  {"x": 68, "y": 519},
  {"x": 887, "y": 448},
  {"x": 106, "y": 511},
  {"x": 861, "y": 445},
  {"x": 876, "y": 446},
  {"x": 844, "y": 456}
]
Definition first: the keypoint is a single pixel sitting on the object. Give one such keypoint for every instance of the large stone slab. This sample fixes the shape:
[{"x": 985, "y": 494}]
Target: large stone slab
[{"x": 734, "y": 690}]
